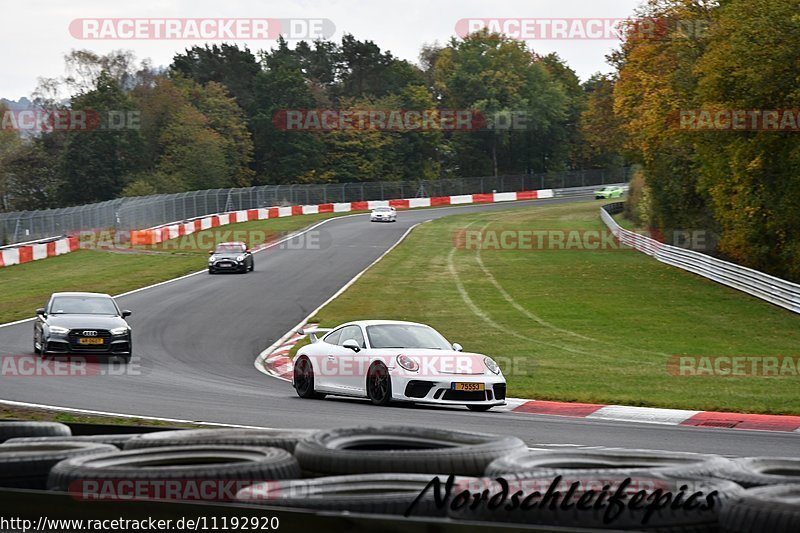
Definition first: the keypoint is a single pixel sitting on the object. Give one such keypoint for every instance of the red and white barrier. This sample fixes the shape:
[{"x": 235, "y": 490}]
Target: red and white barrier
[
  {"x": 159, "y": 234},
  {"x": 26, "y": 253},
  {"x": 35, "y": 251}
]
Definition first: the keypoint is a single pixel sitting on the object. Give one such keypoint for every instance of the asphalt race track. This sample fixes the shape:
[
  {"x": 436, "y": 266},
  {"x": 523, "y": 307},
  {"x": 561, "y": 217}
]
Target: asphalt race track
[{"x": 196, "y": 339}]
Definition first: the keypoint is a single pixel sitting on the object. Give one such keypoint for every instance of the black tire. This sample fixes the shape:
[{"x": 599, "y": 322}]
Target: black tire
[
  {"x": 185, "y": 466},
  {"x": 479, "y": 408},
  {"x": 391, "y": 494},
  {"x": 365, "y": 450},
  {"x": 758, "y": 471},
  {"x": 303, "y": 379},
  {"x": 36, "y": 350},
  {"x": 379, "y": 385},
  {"x": 625, "y": 516},
  {"x": 26, "y": 465},
  {"x": 539, "y": 463},
  {"x": 211, "y": 271},
  {"x": 117, "y": 440},
  {"x": 279, "y": 438},
  {"x": 10, "y": 430},
  {"x": 771, "y": 509}
]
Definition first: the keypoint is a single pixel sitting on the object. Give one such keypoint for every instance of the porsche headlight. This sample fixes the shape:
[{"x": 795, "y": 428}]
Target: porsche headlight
[
  {"x": 58, "y": 330},
  {"x": 212, "y": 259},
  {"x": 240, "y": 258},
  {"x": 490, "y": 363},
  {"x": 407, "y": 363},
  {"x": 119, "y": 331}
]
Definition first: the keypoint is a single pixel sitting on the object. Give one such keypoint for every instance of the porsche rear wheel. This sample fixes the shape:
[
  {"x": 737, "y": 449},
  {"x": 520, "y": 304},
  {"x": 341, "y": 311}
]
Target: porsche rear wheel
[
  {"x": 303, "y": 379},
  {"x": 379, "y": 385}
]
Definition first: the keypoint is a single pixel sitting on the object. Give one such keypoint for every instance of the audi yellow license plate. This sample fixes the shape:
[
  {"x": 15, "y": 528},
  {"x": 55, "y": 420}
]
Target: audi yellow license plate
[
  {"x": 89, "y": 340},
  {"x": 472, "y": 387}
]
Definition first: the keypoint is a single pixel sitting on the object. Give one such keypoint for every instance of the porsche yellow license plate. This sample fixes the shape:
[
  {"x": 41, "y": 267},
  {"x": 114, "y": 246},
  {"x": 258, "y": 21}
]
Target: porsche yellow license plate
[
  {"x": 473, "y": 387},
  {"x": 89, "y": 340}
]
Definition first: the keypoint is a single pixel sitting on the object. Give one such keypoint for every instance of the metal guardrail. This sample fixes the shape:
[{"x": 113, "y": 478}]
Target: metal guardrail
[
  {"x": 37, "y": 241},
  {"x": 763, "y": 286},
  {"x": 149, "y": 211}
]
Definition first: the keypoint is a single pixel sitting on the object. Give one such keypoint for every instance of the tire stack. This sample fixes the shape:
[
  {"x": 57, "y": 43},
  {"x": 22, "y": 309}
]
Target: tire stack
[{"x": 415, "y": 471}]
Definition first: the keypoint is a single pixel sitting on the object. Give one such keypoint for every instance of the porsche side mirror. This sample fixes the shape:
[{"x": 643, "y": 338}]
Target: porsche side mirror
[
  {"x": 40, "y": 311},
  {"x": 126, "y": 313},
  {"x": 352, "y": 344},
  {"x": 457, "y": 347}
]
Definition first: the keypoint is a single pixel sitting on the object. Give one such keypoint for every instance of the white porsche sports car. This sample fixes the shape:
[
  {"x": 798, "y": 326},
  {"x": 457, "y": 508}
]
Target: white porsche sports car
[
  {"x": 383, "y": 214},
  {"x": 388, "y": 360}
]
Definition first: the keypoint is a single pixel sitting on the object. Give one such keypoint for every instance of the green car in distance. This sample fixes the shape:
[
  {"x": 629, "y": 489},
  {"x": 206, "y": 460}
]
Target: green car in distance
[{"x": 611, "y": 191}]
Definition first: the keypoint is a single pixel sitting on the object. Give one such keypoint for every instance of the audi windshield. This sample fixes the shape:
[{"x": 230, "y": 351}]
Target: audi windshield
[{"x": 75, "y": 305}]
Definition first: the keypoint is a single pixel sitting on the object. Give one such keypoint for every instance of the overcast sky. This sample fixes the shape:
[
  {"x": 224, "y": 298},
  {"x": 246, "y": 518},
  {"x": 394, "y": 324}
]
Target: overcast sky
[{"x": 36, "y": 33}]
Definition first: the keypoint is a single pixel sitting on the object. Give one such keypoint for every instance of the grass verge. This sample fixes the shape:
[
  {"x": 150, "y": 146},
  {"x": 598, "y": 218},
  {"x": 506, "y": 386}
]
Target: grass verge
[
  {"x": 595, "y": 326},
  {"x": 8, "y": 412}
]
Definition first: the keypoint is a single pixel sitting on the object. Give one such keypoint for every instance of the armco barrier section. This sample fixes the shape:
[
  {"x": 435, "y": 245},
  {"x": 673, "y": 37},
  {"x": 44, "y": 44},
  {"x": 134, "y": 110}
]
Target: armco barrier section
[
  {"x": 173, "y": 231},
  {"x": 768, "y": 288},
  {"x": 19, "y": 254}
]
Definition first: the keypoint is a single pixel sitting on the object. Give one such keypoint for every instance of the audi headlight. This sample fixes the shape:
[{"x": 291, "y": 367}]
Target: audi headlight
[
  {"x": 407, "y": 363},
  {"x": 119, "y": 331},
  {"x": 58, "y": 330},
  {"x": 490, "y": 363}
]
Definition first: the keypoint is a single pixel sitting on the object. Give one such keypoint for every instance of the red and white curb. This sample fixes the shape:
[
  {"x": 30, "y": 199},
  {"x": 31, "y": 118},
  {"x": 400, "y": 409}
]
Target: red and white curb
[
  {"x": 277, "y": 363},
  {"x": 672, "y": 417}
]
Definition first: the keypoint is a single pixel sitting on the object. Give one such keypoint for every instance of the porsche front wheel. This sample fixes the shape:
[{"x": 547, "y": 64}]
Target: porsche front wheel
[{"x": 379, "y": 385}]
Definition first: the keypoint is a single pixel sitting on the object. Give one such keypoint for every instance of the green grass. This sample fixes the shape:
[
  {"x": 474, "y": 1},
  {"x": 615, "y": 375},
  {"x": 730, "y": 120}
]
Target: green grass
[
  {"x": 582, "y": 326},
  {"x": 23, "y": 288}
]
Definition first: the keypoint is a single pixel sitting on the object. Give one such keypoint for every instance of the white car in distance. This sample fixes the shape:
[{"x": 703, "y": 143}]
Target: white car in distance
[
  {"x": 383, "y": 214},
  {"x": 393, "y": 361}
]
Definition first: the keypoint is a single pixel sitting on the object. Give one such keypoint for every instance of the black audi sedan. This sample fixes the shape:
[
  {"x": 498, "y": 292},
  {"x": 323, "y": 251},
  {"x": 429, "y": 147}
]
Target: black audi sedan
[
  {"x": 230, "y": 257},
  {"x": 82, "y": 323}
]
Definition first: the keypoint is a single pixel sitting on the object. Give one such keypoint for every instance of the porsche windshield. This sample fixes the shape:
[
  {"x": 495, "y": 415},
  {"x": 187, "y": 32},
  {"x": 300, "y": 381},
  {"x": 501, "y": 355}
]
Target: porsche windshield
[{"x": 406, "y": 336}]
